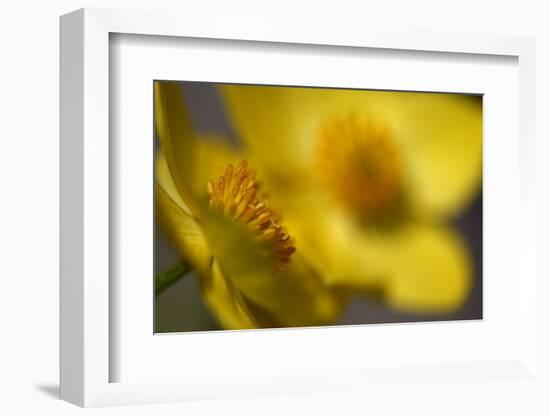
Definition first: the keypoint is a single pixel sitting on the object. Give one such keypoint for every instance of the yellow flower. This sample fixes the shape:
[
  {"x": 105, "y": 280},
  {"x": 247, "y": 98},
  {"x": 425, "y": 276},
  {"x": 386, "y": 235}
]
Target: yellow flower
[
  {"x": 368, "y": 181},
  {"x": 250, "y": 275}
]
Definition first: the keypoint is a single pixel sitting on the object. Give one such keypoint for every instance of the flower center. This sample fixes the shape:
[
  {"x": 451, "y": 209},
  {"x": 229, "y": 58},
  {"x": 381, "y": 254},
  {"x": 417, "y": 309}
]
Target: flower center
[
  {"x": 235, "y": 196},
  {"x": 361, "y": 164}
]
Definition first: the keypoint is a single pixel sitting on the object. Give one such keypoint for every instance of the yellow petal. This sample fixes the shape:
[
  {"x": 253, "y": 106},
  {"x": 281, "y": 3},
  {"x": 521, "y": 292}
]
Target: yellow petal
[
  {"x": 430, "y": 269},
  {"x": 182, "y": 230},
  {"x": 211, "y": 155},
  {"x": 333, "y": 244},
  {"x": 225, "y": 301},
  {"x": 442, "y": 140},
  {"x": 304, "y": 299},
  {"x": 293, "y": 297},
  {"x": 415, "y": 267},
  {"x": 191, "y": 158},
  {"x": 164, "y": 178},
  {"x": 265, "y": 120},
  {"x": 175, "y": 134}
]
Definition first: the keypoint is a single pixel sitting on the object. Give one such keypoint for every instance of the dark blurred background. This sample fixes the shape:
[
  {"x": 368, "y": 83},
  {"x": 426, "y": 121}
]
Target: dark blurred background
[{"x": 180, "y": 308}]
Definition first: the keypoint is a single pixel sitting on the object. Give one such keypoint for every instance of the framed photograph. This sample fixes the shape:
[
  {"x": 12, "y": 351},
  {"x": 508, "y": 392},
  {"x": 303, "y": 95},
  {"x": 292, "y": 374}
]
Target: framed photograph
[{"x": 267, "y": 212}]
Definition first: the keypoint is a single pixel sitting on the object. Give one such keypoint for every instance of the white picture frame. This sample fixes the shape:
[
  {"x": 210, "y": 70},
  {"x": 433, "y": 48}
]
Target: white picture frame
[{"x": 87, "y": 308}]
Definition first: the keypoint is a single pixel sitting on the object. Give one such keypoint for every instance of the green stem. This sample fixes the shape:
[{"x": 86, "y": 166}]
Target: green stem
[{"x": 168, "y": 277}]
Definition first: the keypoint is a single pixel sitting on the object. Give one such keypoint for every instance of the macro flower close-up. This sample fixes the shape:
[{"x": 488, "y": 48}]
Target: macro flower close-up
[
  {"x": 224, "y": 229},
  {"x": 299, "y": 206}
]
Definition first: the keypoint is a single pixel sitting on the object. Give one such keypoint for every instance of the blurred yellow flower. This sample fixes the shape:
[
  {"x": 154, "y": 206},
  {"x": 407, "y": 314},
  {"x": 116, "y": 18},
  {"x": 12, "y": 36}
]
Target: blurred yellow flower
[
  {"x": 368, "y": 181},
  {"x": 250, "y": 276}
]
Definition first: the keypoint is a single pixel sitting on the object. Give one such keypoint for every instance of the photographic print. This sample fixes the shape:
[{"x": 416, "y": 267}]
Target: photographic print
[{"x": 290, "y": 206}]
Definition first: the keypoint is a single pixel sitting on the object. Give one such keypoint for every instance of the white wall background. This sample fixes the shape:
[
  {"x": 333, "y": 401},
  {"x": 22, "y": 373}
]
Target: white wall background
[{"x": 29, "y": 99}]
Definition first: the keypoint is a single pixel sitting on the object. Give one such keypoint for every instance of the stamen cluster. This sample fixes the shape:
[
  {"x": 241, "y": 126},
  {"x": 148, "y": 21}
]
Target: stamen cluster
[
  {"x": 361, "y": 163},
  {"x": 235, "y": 196}
]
